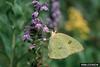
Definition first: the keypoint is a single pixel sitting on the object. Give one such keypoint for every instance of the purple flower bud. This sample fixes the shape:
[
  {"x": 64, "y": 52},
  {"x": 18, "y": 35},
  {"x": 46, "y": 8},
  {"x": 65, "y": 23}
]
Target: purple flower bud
[
  {"x": 26, "y": 36},
  {"x": 56, "y": 15},
  {"x": 35, "y": 21},
  {"x": 44, "y": 7},
  {"x": 34, "y": 2},
  {"x": 35, "y": 14},
  {"x": 38, "y": 26},
  {"x": 55, "y": 4},
  {"x": 45, "y": 29},
  {"x": 40, "y": 7},
  {"x": 37, "y": 6}
]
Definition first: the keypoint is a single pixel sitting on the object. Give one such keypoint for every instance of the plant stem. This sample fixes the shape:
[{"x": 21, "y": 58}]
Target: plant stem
[{"x": 13, "y": 46}]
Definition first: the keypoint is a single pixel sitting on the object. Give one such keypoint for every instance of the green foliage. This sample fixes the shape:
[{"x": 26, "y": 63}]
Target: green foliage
[{"x": 13, "y": 16}]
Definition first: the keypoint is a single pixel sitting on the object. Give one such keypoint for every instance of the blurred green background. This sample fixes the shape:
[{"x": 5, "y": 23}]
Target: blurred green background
[{"x": 15, "y": 14}]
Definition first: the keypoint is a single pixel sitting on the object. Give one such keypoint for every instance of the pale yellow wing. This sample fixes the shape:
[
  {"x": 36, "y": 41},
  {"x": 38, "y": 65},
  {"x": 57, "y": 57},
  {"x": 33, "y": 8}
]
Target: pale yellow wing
[{"x": 61, "y": 46}]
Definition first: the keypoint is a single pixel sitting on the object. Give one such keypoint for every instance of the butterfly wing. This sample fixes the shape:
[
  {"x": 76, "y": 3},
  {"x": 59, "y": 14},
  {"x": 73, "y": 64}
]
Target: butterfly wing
[
  {"x": 61, "y": 46},
  {"x": 55, "y": 47}
]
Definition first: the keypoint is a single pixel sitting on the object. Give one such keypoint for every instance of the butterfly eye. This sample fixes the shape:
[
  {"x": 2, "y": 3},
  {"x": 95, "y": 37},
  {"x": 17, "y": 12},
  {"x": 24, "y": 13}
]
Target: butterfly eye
[{"x": 69, "y": 42}]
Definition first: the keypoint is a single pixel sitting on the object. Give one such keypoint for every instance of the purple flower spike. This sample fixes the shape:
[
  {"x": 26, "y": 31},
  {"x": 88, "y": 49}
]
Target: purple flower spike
[
  {"x": 55, "y": 14},
  {"x": 38, "y": 26},
  {"x": 45, "y": 29},
  {"x": 35, "y": 14}
]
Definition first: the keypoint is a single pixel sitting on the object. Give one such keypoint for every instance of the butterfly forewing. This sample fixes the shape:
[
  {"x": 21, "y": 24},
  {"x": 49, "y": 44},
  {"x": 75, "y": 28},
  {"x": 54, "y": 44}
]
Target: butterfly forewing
[{"x": 57, "y": 49}]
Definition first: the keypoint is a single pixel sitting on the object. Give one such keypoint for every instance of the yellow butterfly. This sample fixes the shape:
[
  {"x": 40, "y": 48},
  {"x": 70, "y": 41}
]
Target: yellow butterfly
[{"x": 61, "y": 46}]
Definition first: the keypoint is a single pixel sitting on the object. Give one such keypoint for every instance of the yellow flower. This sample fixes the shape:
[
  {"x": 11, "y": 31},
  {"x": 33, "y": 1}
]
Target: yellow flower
[{"x": 77, "y": 22}]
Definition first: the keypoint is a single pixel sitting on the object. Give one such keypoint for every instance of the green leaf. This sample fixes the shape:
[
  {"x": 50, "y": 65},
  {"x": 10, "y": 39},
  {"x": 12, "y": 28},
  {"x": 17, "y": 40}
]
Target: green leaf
[{"x": 4, "y": 60}]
